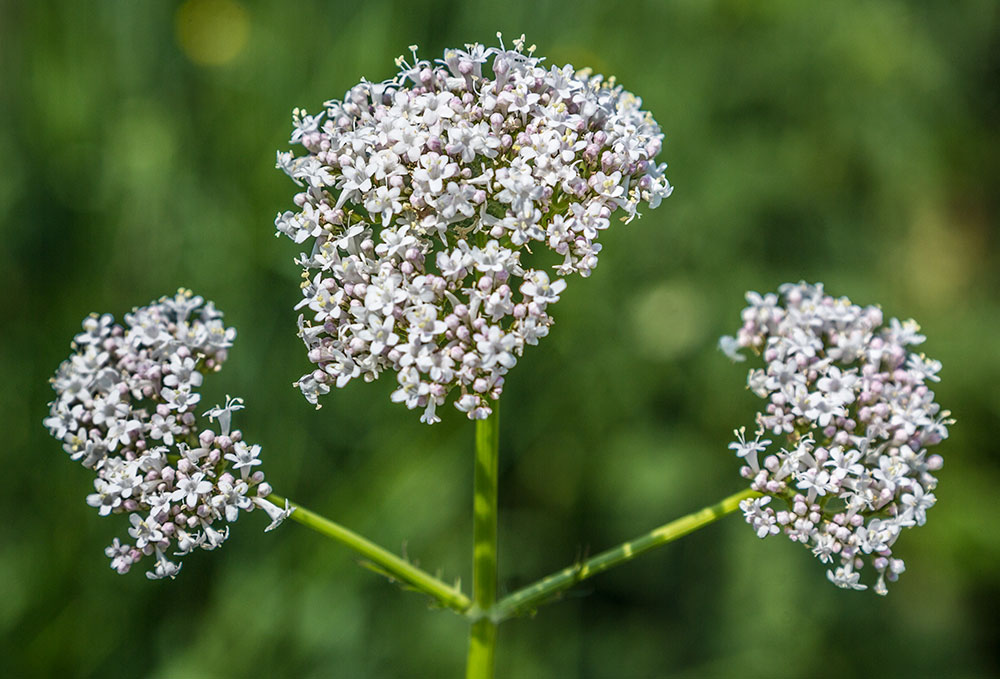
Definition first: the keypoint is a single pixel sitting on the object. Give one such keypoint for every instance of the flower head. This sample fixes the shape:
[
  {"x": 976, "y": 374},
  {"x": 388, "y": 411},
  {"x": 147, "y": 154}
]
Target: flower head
[
  {"x": 125, "y": 408},
  {"x": 858, "y": 417},
  {"x": 430, "y": 197}
]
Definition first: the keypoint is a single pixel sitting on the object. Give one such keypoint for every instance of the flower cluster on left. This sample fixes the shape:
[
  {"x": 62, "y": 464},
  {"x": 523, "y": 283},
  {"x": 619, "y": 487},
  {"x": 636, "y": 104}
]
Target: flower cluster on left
[{"x": 126, "y": 408}]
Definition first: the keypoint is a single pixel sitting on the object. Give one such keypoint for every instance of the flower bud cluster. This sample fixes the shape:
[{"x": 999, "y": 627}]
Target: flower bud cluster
[
  {"x": 857, "y": 414},
  {"x": 125, "y": 408},
  {"x": 425, "y": 193}
]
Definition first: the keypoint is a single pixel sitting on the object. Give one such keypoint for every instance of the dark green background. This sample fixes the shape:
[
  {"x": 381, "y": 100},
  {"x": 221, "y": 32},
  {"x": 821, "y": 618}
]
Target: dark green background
[{"x": 854, "y": 143}]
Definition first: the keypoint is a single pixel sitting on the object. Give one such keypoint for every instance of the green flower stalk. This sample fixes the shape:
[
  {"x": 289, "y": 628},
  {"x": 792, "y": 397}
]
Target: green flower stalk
[{"x": 482, "y": 637}]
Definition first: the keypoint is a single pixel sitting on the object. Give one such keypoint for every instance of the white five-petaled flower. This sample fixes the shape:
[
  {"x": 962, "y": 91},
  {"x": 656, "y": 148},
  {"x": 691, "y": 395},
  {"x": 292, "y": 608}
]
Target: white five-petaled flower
[
  {"x": 496, "y": 347},
  {"x": 231, "y": 498},
  {"x": 181, "y": 398},
  {"x": 244, "y": 457},
  {"x": 917, "y": 502},
  {"x": 838, "y": 386},
  {"x": 748, "y": 449},
  {"x": 538, "y": 288},
  {"x": 191, "y": 488}
]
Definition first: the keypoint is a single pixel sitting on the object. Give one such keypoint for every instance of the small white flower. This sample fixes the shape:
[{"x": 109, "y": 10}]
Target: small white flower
[
  {"x": 917, "y": 502},
  {"x": 144, "y": 530},
  {"x": 231, "y": 498},
  {"x": 164, "y": 428},
  {"x": 761, "y": 517},
  {"x": 845, "y": 578},
  {"x": 730, "y": 347},
  {"x": 244, "y": 457},
  {"x": 433, "y": 170},
  {"x": 538, "y": 287},
  {"x": 106, "y": 499},
  {"x": 837, "y": 385},
  {"x": 411, "y": 388},
  {"x": 356, "y": 180},
  {"x": 164, "y": 568},
  {"x": 424, "y": 322},
  {"x": 109, "y": 408},
  {"x": 497, "y": 348},
  {"x": 190, "y": 489},
  {"x": 275, "y": 513},
  {"x": 925, "y": 368},
  {"x": 822, "y": 408},
  {"x": 379, "y": 334},
  {"x": 384, "y": 202},
  {"x": 224, "y": 414},
  {"x": 120, "y": 555},
  {"x": 748, "y": 449},
  {"x": 181, "y": 398}
]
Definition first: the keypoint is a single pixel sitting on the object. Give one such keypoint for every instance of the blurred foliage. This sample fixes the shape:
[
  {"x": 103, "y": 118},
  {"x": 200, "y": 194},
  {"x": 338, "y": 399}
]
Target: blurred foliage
[{"x": 854, "y": 143}]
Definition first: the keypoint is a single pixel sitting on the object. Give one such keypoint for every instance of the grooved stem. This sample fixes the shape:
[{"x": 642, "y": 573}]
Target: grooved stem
[{"x": 482, "y": 636}]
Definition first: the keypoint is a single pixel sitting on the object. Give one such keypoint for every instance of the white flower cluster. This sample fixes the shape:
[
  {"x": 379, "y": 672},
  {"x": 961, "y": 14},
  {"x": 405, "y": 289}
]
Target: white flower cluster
[
  {"x": 423, "y": 194},
  {"x": 125, "y": 408},
  {"x": 853, "y": 403}
]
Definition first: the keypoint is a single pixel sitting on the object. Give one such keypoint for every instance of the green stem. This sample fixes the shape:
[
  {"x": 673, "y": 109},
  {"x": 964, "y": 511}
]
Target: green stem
[
  {"x": 530, "y": 597},
  {"x": 483, "y": 635},
  {"x": 394, "y": 567}
]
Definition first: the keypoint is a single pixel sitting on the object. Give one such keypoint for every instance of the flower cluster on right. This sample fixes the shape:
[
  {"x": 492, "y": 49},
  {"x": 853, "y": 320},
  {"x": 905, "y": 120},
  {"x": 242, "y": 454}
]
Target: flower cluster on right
[{"x": 853, "y": 404}]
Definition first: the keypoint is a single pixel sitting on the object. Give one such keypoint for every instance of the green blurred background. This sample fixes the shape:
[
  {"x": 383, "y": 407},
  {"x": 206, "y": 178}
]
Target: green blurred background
[{"x": 854, "y": 143}]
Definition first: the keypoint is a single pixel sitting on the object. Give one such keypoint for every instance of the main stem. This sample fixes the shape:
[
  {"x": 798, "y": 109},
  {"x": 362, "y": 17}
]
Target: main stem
[{"x": 483, "y": 636}]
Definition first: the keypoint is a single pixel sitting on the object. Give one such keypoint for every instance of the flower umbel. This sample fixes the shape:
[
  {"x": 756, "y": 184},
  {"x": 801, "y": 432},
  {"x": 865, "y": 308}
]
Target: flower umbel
[
  {"x": 426, "y": 195},
  {"x": 126, "y": 408},
  {"x": 858, "y": 417}
]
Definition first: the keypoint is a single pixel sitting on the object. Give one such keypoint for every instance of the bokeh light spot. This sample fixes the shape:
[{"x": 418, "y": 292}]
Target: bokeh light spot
[
  {"x": 945, "y": 252},
  {"x": 668, "y": 320},
  {"x": 212, "y": 32}
]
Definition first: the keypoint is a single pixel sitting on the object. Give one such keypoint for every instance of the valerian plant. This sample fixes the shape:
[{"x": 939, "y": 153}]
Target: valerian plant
[{"x": 443, "y": 210}]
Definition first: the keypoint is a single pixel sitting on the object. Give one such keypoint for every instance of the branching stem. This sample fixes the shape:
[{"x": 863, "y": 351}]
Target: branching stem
[
  {"x": 393, "y": 566},
  {"x": 527, "y": 599}
]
